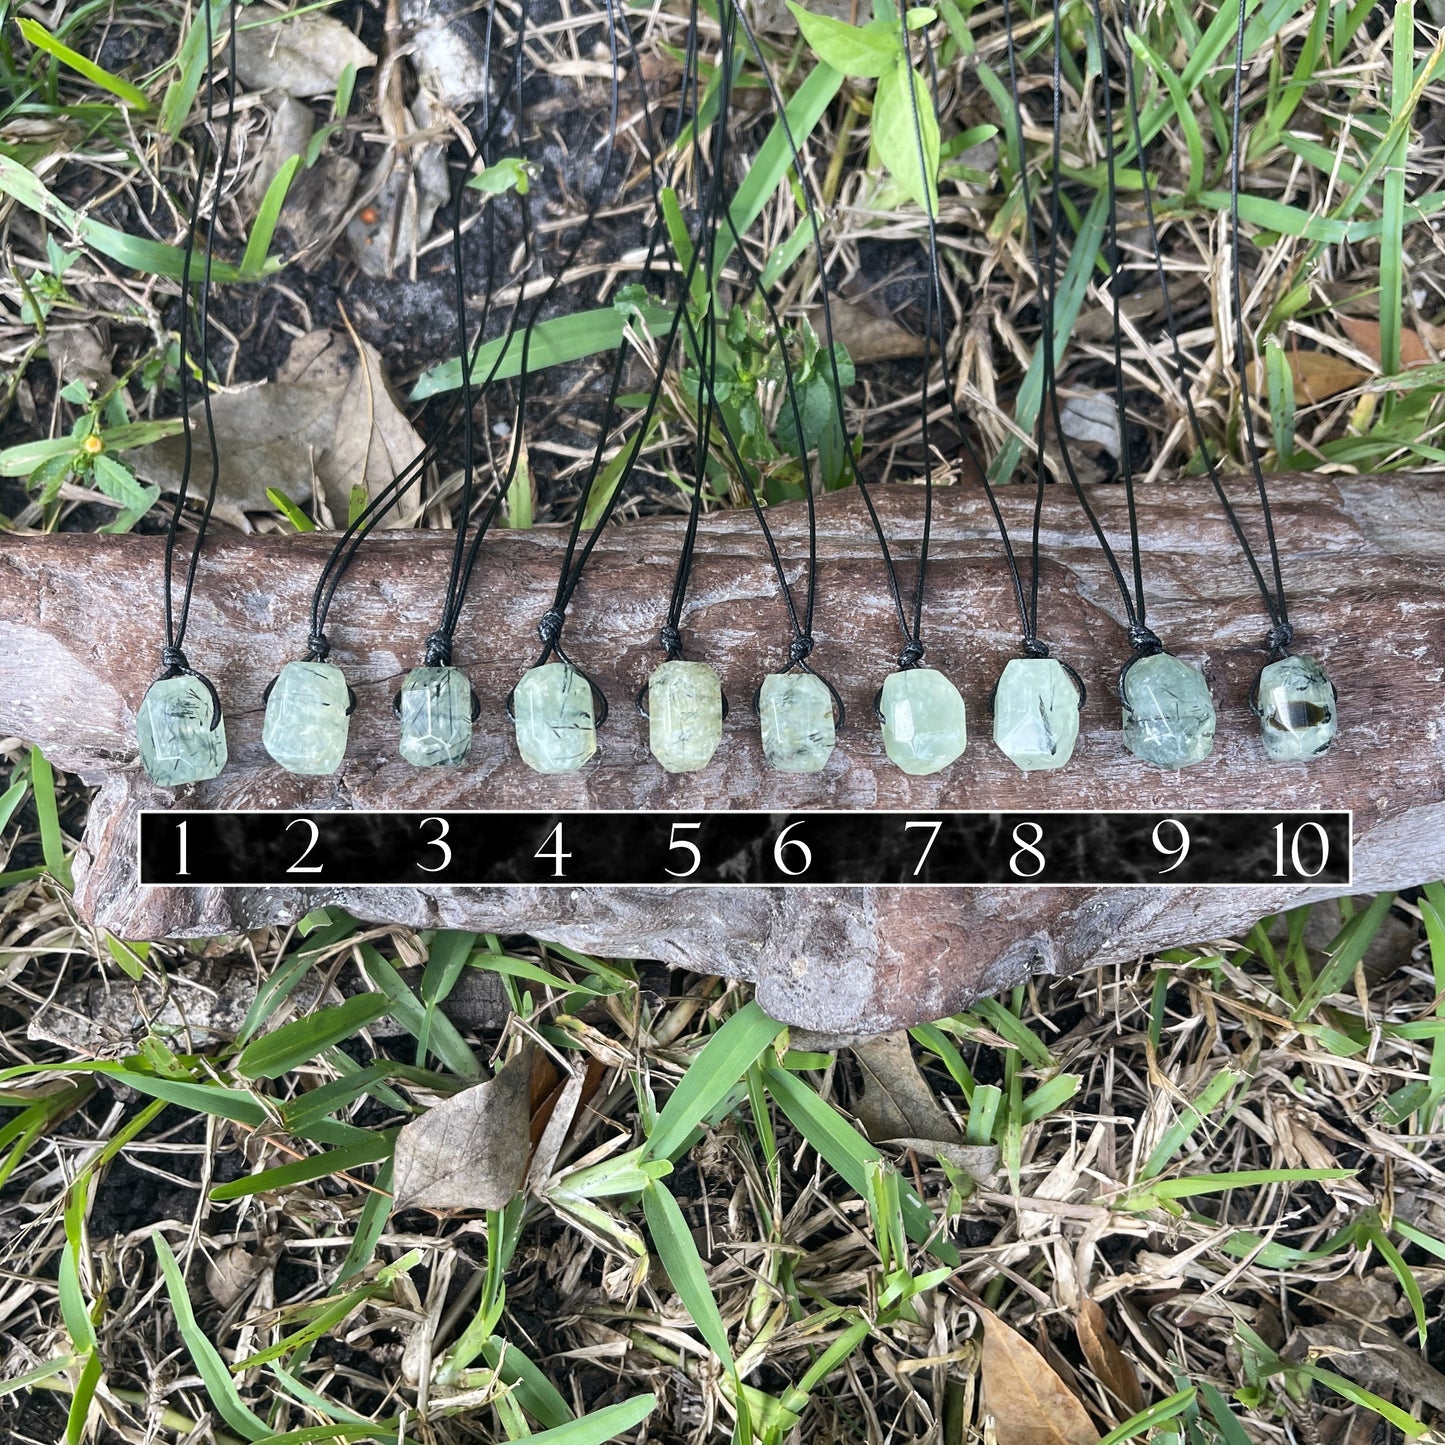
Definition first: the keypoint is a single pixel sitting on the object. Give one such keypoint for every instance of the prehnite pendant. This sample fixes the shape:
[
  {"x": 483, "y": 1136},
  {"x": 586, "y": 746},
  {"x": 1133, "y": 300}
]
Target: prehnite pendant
[
  {"x": 435, "y": 704},
  {"x": 180, "y": 732},
  {"x": 1168, "y": 713},
  {"x": 1036, "y": 713},
  {"x": 685, "y": 715},
  {"x": 923, "y": 720},
  {"x": 307, "y": 718},
  {"x": 796, "y": 713},
  {"x": 556, "y": 728},
  {"x": 1296, "y": 704}
]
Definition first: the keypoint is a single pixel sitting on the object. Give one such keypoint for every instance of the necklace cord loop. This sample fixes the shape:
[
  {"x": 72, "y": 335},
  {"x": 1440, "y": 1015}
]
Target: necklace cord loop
[
  {"x": 438, "y": 652},
  {"x": 911, "y": 655},
  {"x": 1144, "y": 640}
]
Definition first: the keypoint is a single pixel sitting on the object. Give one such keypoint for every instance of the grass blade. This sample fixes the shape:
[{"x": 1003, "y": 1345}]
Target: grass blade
[
  {"x": 52, "y": 848},
  {"x": 710, "y": 1077},
  {"x": 673, "y": 1241},
  {"x": 302, "y": 1039}
]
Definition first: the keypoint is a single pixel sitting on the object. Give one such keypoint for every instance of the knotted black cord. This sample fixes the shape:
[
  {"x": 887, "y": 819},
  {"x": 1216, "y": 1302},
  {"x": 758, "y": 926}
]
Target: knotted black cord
[
  {"x": 1278, "y": 615},
  {"x": 360, "y": 528},
  {"x": 439, "y": 644},
  {"x": 1142, "y": 640},
  {"x": 1282, "y": 633},
  {"x": 173, "y": 657},
  {"x": 574, "y": 560},
  {"x": 671, "y": 633}
]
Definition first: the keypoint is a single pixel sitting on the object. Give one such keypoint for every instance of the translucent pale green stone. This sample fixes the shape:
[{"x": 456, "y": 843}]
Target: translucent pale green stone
[
  {"x": 923, "y": 720},
  {"x": 796, "y": 711},
  {"x": 1168, "y": 713},
  {"x": 173, "y": 728},
  {"x": 552, "y": 706},
  {"x": 436, "y": 716},
  {"x": 1297, "y": 707},
  {"x": 684, "y": 710},
  {"x": 306, "y": 722},
  {"x": 1036, "y": 713}
]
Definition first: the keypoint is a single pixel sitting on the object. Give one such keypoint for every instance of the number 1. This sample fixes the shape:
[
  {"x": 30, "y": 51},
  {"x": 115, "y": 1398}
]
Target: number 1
[{"x": 182, "y": 868}]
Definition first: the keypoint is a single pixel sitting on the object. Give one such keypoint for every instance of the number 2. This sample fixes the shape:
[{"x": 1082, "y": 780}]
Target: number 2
[{"x": 297, "y": 867}]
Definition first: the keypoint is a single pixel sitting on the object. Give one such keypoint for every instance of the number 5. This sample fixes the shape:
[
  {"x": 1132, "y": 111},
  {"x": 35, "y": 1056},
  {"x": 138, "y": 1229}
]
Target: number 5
[{"x": 687, "y": 846}]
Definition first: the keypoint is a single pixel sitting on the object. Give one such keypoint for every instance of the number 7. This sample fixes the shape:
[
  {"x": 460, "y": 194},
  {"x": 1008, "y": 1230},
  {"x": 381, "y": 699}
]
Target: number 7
[{"x": 936, "y": 824}]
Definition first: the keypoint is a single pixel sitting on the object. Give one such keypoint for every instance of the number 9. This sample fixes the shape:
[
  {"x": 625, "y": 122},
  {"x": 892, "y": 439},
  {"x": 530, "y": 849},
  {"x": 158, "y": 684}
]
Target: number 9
[{"x": 1183, "y": 847}]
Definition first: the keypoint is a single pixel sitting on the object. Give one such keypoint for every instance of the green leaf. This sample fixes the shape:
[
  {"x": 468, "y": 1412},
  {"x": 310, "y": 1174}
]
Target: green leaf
[
  {"x": 441, "y": 1034},
  {"x": 191, "y": 59},
  {"x": 211, "y": 1367},
  {"x": 289, "y": 510},
  {"x": 711, "y": 1077},
  {"x": 601, "y": 1425},
  {"x": 263, "y": 228},
  {"x": 302, "y": 1039},
  {"x": 862, "y": 50},
  {"x": 556, "y": 342},
  {"x": 1347, "y": 951},
  {"x": 52, "y": 846},
  {"x": 42, "y": 39},
  {"x": 905, "y": 134},
  {"x": 140, "y": 253},
  {"x": 508, "y": 174},
  {"x": 675, "y": 1247},
  {"x": 318, "y": 1166}
]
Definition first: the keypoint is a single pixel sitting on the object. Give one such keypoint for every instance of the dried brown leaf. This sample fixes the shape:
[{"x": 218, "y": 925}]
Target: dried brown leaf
[
  {"x": 1366, "y": 335},
  {"x": 1029, "y": 1403},
  {"x": 470, "y": 1151},
  {"x": 898, "y": 1108},
  {"x": 1318, "y": 375},
  {"x": 866, "y": 335},
  {"x": 1111, "y": 1366}
]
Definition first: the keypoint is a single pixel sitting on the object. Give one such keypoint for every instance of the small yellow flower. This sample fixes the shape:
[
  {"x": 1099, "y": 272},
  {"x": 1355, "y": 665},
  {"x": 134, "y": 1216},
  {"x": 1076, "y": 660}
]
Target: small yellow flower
[{"x": 93, "y": 445}]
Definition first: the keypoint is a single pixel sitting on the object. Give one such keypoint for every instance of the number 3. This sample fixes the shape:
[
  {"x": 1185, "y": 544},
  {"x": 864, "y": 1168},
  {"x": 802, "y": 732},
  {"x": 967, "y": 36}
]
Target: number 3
[{"x": 443, "y": 829}]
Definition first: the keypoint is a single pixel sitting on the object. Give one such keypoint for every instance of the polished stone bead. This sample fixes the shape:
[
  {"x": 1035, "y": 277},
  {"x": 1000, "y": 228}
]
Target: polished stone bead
[
  {"x": 436, "y": 716},
  {"x": 684, "y": 710},
  {"x": 306, "y": 722},
  {"x": 556, "y": 732},
  {"x": 173, "y": 728},
  {"x": 1297, "y": 709},
  {"x": 1168, "y": 713},
  {"x": 923, "y": 720},
  {"x": 796, "y": 712},
  {"x": 1036, "y": 713}
]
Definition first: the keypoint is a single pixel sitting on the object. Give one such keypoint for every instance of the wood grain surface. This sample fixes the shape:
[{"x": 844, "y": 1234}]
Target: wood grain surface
[{"x": 80, "y": 625}]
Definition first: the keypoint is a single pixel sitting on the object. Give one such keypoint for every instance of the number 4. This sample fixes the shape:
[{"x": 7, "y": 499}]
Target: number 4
[{"x": 556, "y": 855}]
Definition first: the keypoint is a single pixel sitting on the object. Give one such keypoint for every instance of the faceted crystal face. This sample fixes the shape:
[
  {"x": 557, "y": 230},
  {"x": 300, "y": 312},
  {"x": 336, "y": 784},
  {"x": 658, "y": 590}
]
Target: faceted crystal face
[
  {"x": 553, "y": 710},
  {"x": 1297, "y": 706},
  {"x": 923, "y": 720},
  {"x": 684, "y": 709},
  {"x": 796, "y": 711},
  {"x": 1036, "y": 713},
  {"x": 1168, "y": 713},
  {"x": 436, "y": 717},
  {"x": 306, "y": 722},
  {"x": 173, "y": 728}
]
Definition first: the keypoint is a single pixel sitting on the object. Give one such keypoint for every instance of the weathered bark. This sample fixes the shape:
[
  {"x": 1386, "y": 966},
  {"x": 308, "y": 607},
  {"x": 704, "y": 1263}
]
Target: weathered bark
[{"x": 80, "y": 621}]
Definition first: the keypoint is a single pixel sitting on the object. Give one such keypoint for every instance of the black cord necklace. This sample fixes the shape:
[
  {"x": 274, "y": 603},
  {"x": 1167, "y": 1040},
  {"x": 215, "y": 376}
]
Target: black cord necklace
[
  {"x": 682, "y": 700},
  {"x": 1292, "y": 697},
  {"x": 437, "y": 705},
  {"x": 1168, "y": 713},
  {"x": 179, "y": 729}
]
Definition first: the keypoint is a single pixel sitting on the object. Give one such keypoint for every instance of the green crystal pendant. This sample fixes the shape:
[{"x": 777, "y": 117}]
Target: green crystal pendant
[
  {"x": 1168, "y": 713},
  {"x": 1296, "y": 706},
  {"x": 923, "y": 720},
  {"x": 307, "y": 717},
  {"x": 552, "y": 708},
  {"x": 796, "y": 713},
  {"x": 685, "y": 715},
  {"x": 180, "y": 732},
  {"x": 1036, "y": 713},
  {"x": 436, "y": 709}
]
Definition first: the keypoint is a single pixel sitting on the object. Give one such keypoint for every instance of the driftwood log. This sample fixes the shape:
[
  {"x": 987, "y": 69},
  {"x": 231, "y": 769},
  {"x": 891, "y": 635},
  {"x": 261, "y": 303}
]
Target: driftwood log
[{"x": 80, "y": 621}]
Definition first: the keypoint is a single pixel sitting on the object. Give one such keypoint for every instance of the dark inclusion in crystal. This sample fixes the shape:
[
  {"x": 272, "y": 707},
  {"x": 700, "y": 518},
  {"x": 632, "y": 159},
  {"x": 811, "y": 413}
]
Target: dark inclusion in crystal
[{"x": 1297, "y": 711}]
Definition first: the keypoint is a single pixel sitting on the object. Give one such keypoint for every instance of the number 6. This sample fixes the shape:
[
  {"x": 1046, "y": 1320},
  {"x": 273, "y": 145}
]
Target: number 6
[{"x": 782, "y": 841}]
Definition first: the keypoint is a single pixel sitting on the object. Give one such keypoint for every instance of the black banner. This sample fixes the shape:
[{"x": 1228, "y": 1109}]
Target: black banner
[{"x": 248, "y": 849}]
